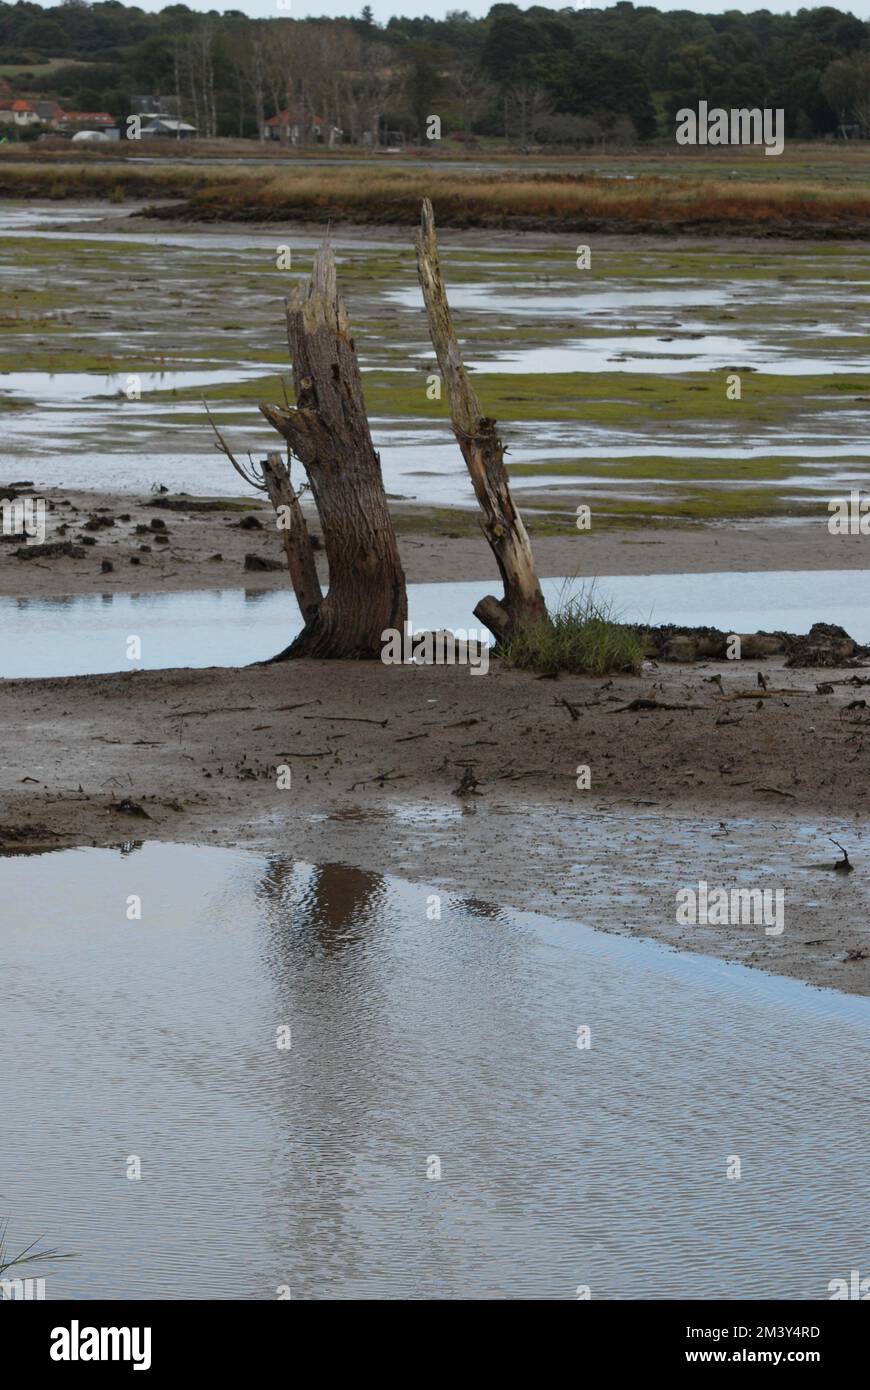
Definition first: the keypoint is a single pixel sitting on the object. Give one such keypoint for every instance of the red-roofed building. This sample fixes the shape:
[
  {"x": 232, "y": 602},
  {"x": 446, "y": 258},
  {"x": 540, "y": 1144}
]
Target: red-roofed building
[
  {"x": 97, "y": 120},
  {"x": 294, "y": 127},
  {"x": 23, "y": 113}
]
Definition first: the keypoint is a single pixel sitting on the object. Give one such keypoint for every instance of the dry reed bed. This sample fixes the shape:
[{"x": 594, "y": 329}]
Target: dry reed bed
[{"x": 546, "y": 201}]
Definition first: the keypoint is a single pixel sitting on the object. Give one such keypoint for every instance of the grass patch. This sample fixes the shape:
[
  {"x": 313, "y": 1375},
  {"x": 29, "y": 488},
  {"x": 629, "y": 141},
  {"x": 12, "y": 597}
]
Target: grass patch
[{"x": 584, "y": 637}]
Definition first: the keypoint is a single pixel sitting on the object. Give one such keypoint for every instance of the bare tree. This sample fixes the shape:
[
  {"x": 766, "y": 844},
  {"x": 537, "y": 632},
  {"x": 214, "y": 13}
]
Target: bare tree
[
  {"x": 376, "y": 85},
  {"x": 475, "y": 94}
]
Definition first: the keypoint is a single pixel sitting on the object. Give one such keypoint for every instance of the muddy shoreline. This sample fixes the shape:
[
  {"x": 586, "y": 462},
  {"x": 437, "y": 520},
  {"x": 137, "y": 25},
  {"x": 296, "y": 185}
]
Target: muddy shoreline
[
  {"x": 772, "y": 228},
  {"x": 451, "y": 549},
  {"x": 172, "y": 215},
  {"x": 740, "y": 791}
]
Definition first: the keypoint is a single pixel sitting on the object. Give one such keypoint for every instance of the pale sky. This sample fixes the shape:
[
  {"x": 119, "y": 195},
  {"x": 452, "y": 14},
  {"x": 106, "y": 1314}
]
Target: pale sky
[{"x": 437, "y": 9}]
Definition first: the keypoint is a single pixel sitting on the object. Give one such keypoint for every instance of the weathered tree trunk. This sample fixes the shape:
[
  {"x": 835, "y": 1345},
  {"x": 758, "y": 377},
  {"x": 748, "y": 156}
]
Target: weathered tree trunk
[
  {"x": 297, "y": 542},
  {"x": 523, "y": 603},
  {"x": 329, "y": 433}
]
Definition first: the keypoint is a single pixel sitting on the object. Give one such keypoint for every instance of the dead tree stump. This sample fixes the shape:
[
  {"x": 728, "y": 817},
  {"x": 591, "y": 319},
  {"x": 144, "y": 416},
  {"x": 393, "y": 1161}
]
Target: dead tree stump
[
  {"x": 523, "y": 604},
  {"x": 328, "y": 432}
]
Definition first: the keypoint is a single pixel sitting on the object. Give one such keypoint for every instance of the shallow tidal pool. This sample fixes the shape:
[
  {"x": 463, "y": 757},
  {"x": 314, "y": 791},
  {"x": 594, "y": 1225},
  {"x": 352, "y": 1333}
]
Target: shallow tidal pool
[
  {"x": 253, "y": 1086},
  {"x": 231, "y": 627}
]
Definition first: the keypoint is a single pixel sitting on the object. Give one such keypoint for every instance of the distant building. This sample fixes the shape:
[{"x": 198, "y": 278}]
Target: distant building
[
  {"x": 297, "y": 127},
  {"x": 23, "y": 112},
  {"x": 168, "y": 126},
  {"x": 92, "y": 120},
  {"x": 151, "y": 108},
  {"x": 49, "y": 113}
]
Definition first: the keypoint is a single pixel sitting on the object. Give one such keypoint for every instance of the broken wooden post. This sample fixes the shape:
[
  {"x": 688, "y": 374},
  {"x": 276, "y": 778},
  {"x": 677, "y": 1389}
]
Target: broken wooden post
[
  {"x": 523, "y": 604},
  {"x": 328, "y": 432},
  {"x": 273, "y": 477},
  {"x": 294, "y": 533}
]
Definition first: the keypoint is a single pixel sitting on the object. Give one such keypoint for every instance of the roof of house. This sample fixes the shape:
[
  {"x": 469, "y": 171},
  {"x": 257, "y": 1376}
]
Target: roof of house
[
  {"x": 95, "y": 117},
  {"x": 21, "y": 105},
  {"x": 48, "y": 110},
  {"x": 293, "y": 118},
  {"x": 167, "y": 123}
]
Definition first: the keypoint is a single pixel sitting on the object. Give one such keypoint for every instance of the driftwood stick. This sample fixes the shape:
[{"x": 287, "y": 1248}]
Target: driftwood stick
[{"x": 523, "y": 603}]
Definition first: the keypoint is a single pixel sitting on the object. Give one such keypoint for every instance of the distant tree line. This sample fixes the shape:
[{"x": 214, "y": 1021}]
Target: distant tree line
[{"x": 563, "y": 78}]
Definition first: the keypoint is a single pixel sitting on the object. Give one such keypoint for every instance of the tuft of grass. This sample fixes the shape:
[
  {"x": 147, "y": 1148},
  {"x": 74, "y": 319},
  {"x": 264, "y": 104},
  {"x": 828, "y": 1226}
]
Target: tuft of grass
[
  {"x": 28, "y": 1256},
  {"x": 583, "y": 637}
]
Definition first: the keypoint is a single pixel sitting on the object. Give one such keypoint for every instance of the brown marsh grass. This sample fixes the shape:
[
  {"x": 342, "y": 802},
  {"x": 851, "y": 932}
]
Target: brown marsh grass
[{"x": 546, "y": 200}]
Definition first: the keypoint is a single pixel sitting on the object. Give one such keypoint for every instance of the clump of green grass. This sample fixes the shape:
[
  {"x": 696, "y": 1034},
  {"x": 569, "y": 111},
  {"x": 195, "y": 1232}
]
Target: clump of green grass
[{"x": 583, "y": 637}]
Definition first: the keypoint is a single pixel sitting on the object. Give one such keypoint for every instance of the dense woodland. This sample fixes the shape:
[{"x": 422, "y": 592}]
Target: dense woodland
[{"x": 562, "y": 78}]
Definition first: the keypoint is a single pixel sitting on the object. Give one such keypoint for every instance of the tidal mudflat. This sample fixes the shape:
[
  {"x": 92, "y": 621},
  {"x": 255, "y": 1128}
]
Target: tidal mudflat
[
  {"x": 610, "y": 382},
  {"x": 288, "y": 830}
]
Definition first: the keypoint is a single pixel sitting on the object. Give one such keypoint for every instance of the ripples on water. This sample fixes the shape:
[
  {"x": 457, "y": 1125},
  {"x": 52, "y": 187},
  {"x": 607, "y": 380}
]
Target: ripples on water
[{"x": 411, "y": 1038}]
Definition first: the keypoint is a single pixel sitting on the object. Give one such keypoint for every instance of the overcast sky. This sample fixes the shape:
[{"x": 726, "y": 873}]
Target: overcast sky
[{"x": 383, "y": 9}]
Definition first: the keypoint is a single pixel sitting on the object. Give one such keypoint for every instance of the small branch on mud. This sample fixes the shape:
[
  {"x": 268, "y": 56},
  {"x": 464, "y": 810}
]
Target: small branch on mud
[
  {"x": 347, "y": 719},
  {"x": 775, "y": 791},
  {"x": 382, "y": 777},
  {"x": 219, "y": 709},
  {"x": 650, "y": 704},
  {"x": 763, "y": 694},
  {"x": 844, "y": 865}
]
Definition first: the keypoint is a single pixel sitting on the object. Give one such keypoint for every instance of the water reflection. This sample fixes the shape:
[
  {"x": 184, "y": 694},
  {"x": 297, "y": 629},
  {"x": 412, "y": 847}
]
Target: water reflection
[{"x": 412, "y": 1037}]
